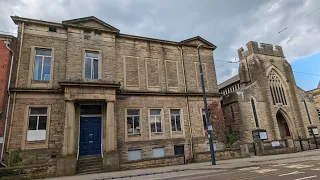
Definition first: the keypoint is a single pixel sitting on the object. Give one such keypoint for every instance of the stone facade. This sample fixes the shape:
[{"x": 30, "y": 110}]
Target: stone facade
[
  {"x": 316, "y": 96},
  {"x": 264, "y": 97},
  {"x": 132, "y": 72},
  {"x": 6, "y": 42}
]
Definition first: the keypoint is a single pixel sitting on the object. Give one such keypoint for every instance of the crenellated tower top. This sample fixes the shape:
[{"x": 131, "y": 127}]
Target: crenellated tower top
[{"x": 265, "y": 49}]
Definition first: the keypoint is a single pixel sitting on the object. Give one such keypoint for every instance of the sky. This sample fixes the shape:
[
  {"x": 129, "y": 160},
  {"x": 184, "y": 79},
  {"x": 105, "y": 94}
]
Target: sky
[{"x": 228, "y": 24}]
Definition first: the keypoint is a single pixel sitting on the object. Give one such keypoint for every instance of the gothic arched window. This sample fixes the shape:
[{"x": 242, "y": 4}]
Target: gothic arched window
[{"x": 277, "y": 89}]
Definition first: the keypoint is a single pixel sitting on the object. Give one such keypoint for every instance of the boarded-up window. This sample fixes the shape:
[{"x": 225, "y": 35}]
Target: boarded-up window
[
  {"x": 131, "y": 71},
  {"x": 153, "y": 72},
  {"x": 197, "y": 70},
  {"x": 172, "y": 74}
]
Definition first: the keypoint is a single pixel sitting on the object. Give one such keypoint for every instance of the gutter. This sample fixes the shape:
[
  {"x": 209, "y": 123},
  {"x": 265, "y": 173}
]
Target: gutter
[{"x": 9, "y": 98}]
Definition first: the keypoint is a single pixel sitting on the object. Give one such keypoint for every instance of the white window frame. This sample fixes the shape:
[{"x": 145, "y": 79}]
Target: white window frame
[
  {"x": 37, "y": 131},
  {"x": 92, "y": 71},
  {"x": 154, "y": 150},
  {"x": 175, "y": 120},
  {"x": 133, "y": 121},
  {"x": 161, "y": 121},
  {"x": 131, "y": 158},
  {"x": 42, "y": 61}
]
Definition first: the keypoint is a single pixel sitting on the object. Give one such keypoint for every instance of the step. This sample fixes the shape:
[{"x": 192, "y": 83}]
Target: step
[
  {"x": 91, "y": 169},
  {"x": 90, "y": 160},
  {"x": 90, "y": 164},
  {"x": 89, "y": 172},
  {"x": 85, "y": 166}
]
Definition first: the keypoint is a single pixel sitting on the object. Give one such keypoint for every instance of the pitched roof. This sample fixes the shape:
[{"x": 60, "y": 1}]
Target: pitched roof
[
  {"x": 92, "y": 18},
  {"x": 229, "y": 82},
  {"x": 207, "y": 43}
]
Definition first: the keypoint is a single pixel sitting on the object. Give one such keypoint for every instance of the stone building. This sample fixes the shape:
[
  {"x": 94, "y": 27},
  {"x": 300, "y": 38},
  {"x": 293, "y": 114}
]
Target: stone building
[
  {"x": 88, "y": 98},
  {"x": 263, "y": 101},
  {"x": 7, "y": 48},
  {"x": 316, "y": 96}
]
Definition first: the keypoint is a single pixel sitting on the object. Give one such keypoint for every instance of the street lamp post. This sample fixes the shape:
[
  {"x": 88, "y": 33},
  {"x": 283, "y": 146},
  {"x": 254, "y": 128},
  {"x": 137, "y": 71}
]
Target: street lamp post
[{"x": 209, "y": 126}]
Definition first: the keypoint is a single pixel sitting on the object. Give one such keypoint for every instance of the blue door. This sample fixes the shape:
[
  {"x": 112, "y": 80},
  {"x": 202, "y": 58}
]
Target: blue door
[{"x": 90, "y": 136}]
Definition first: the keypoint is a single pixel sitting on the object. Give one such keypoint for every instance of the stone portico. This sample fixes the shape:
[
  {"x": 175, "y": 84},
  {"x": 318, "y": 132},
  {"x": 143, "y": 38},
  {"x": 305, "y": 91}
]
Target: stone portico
[{"x": 75, "y": 94}]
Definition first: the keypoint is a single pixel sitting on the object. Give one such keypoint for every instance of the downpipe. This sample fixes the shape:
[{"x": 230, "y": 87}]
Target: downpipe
[{"x": 8, "y": 102}]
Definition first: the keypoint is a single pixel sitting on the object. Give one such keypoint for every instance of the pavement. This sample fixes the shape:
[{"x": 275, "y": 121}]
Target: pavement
[{"x": 222, "y": 170}]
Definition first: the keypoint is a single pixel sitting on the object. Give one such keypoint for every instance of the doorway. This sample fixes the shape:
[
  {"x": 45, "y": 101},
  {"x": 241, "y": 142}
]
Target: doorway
[
  {"x": 90, "y": 130},
  {"x": 283, "y": 126}
]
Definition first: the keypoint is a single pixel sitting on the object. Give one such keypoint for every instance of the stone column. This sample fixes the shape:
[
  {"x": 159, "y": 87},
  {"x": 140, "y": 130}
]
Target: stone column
[
  {"x": 67, "y": 164},
  {"x": 69, "y": 130},
  {"x": 110, "y": 139},
  {"x": 110, "y": 154}
]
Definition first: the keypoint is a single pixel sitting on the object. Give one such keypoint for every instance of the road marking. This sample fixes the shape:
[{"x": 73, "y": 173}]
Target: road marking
[
  {"x": 261, "y": 171},
  {"x": 249, "y": 168},
  {"x": 295, "y": 172},
  {"x": 317, "y": 169},
  {"x": 298, "y": 166},
  {"x": 306, "y": 177},
  {"x": 276, "y": 165}
]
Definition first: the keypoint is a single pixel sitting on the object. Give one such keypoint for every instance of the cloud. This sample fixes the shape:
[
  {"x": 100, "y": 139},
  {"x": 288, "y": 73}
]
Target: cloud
[{"x": 227, "y": 24}]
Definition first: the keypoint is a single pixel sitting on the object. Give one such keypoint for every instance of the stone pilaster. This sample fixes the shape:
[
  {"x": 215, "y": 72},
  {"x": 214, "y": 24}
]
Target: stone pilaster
[
  {"x": 69, "y": 130},
  {"x": 67, "y": 164},
  {"x": 110, "y": 154}
]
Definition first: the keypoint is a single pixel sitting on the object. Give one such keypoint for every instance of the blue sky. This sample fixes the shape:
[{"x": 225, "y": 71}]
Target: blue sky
[{"x": 310, "y": 65}]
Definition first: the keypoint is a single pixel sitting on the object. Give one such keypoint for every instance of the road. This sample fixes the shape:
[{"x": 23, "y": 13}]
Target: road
[{"x": 303, "y": 170}]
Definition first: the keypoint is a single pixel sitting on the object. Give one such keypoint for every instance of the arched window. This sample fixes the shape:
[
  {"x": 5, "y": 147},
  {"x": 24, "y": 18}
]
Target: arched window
[
  {"x": 276, "y": 87},
  {"x": 232, "y": 113},
  {"x": 306, "y": 107},
  {"x": 254, "y": 113}
]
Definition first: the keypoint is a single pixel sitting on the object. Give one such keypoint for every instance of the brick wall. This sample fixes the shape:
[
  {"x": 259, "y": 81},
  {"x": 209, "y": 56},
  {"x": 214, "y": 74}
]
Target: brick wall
[{"x": 5, "y": 63}]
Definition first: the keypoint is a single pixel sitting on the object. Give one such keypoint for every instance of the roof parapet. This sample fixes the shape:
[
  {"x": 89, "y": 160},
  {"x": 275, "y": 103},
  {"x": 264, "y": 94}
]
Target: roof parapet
[{"x": 265, "y": 49}]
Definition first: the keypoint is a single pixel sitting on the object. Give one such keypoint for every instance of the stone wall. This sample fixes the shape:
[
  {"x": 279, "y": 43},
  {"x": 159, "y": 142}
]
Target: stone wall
[
  {"x": 28, "y": 172},
  {"x": 316, "y": 97},
  {"x": 146, "y": 140},
  {"x": 19, "y": 125},
  {"x": 219, "y": 154},
  {"x": 153, "y": 162}
]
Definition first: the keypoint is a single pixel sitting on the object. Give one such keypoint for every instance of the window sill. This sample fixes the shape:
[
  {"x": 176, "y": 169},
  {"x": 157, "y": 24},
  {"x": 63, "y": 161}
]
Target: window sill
[
  {"x": 136, "y": 134},
  {"x": 40, "y": 82},
  {"x": 36, "y": 144}
]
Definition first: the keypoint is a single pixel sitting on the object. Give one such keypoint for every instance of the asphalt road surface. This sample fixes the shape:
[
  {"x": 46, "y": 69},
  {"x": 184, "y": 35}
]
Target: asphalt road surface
[{"x": 303, "y": 170}]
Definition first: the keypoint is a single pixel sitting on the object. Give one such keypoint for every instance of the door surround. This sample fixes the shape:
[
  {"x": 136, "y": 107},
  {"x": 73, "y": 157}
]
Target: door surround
[{"x": 90, "y": 115}]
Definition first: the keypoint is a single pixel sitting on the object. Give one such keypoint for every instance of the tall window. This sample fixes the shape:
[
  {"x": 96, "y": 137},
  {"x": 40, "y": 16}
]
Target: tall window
[
  {"x": 133, "y": 121},
  {"x": 42, "y": 63},
  {"x": 232, "y": 113},
  {"x": 205, "y": 127},
  {"x": 155, "y": 120},
  {"x": 276, "y": 87},
  {"x": 254, "y": 113},
  {"x": 318, "y": 110},
  {"x": 175, "y": 119},
  {"x": 37, "y": 124},
  {"x": 91, "y": 64},
  {"x": 306, "y": 107}
]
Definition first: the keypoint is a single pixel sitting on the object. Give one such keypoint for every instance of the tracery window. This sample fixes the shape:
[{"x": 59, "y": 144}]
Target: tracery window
[{"x": 277, "y": 89}]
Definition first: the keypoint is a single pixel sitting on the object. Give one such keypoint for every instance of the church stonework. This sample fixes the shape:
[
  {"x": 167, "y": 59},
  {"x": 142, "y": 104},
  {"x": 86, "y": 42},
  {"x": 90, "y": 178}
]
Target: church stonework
[{"x": 265, "y": 98}]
